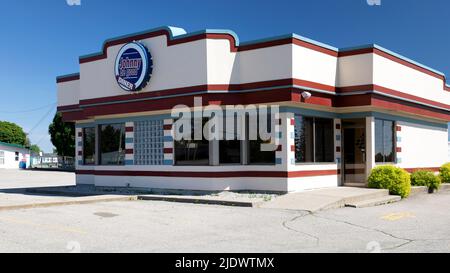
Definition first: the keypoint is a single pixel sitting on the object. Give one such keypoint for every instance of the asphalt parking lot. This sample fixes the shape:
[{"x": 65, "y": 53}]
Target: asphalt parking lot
[{"x": 419, "y": 224}]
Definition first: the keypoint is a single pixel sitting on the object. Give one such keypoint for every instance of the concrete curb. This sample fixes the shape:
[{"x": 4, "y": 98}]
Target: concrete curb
[
  {"x": 416, "y": 190},
  {"x": 198, "y": 201},
  {"x": 80, "y": 201},
  {"x": 154, "y": 197},
  {"x": 444, "y": 187},
  {"x": 424, "y": 190},
  {"x": 62, "y": 193}
]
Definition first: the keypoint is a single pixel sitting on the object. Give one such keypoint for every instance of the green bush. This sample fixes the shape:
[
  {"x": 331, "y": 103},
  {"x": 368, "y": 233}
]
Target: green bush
[
  {"x": 426, "y": 178},
  {"x": 444, "y": 173},
  {"x": 394, "y": 179}
]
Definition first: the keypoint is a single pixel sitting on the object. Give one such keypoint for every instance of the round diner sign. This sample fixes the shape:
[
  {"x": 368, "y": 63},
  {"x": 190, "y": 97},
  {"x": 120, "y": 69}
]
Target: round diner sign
[{"x": 133, "y": 67}]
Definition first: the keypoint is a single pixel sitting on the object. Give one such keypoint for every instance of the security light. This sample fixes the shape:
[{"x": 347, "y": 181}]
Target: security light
[{"x": 306, "y": 95}]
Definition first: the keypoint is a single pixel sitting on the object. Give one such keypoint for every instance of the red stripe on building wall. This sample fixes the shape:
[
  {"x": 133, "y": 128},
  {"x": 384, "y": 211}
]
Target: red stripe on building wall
[
  {"x": 312, "y": 173},
  {"x": 169, "y": 103},
  {"x": 398, "y": 149},
  {"x": 168, "y": 127},
  {"x": 210, "y": 174},
  {"x": 129, "y": 129},
  {"x": 260, "y": 174},
  {"x": 73, "y": 116},
  {"x": 168, "y": 150},
  {"x": 129, "y": 151},
  {"x": 269, "y": 96},
  {"x": 396, "y": 105},
  {"x": 69, "y": 107},
  {"x": 388, "y": 91},
  {"x": 317, "y": 99},
  {"x": 432, "y": 169}
]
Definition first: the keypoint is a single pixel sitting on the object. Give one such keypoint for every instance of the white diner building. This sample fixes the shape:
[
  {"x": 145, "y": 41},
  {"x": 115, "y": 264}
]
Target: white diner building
[{"x": 342, "y": 112}]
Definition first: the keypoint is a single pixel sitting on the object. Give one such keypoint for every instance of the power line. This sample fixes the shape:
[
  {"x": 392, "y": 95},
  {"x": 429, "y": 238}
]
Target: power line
[
  {"x": 41, "y": 120},
  {"x": 42, "y": 139},
  {"x": 30, "y": 110}
]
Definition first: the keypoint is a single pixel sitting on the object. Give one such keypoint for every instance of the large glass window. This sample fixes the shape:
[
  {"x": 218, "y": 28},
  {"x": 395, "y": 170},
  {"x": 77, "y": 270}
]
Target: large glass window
[
  {"x": 112, "y": 144},
  {"x": 192, "y": 152},
  {"x": 230, "y": 146},
  {"x": 256, "y": 155},
  {"x": 304, "y": 139},
  {"x": 314, "y": 140},
  {"x": 384, "y": 141},
  {"x": 324, "y": 139},
  {"x": 89, "y": 146},
  {"x": 230, "y": 151}
]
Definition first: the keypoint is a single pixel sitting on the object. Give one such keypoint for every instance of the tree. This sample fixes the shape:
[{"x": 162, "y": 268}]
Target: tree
[
  {"x": 62, "y": 136},
  {"x": 12, "y": 133},
  {"x": 35, "y": 149}
]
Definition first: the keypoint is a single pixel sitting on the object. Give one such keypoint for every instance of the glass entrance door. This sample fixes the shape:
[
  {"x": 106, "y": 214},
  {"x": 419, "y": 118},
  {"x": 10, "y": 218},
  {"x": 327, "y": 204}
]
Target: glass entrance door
[{"x": 354, "y": 152}]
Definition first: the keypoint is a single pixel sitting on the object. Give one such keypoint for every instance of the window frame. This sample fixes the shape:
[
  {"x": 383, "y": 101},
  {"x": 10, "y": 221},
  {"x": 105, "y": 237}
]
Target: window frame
[
  {"x": 241, "y": 142},
  {"x": 314, "y": 141},
  {"x": 394, "y": 142},
  {"x": 248, "y": 143},
  {"x": 99, "y": 141},
  {"x": 210, "y": 147},
  {"x": 95, "y": 128}
]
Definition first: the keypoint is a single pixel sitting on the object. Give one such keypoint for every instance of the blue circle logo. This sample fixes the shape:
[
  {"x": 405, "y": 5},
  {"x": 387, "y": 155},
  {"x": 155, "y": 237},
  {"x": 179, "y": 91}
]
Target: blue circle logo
[{"x": 133, "y": 67}]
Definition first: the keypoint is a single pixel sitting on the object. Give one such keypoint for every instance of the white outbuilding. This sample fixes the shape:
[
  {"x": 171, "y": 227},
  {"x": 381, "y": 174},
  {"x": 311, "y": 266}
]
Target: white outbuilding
[{"x": 13, "y": 156}]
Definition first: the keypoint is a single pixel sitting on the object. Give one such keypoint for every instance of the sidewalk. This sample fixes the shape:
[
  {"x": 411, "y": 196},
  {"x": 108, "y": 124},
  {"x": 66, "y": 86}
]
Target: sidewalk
[
  {"x": 323, "y": 199},
  {"x": 312, "y": 201},
  {"x": 14, "y": 201}
]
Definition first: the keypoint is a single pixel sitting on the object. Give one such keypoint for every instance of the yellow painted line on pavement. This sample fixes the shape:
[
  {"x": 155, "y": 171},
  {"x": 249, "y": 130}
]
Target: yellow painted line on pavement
[
  {"x": 398, "y": 216},
  {"x": 42, "y": 226}
]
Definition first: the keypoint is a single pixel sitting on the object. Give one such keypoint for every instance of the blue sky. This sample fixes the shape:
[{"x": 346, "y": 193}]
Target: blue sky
[{"x": 43, "y": 39}]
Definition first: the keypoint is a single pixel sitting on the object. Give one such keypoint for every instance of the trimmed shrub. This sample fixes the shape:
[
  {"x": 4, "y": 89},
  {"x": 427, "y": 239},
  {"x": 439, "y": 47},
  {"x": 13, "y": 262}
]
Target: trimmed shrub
[
  {"x": 426, "y": 178},
  {"x": 444, "y": 173},
  {"x": 394, "y": 179}
]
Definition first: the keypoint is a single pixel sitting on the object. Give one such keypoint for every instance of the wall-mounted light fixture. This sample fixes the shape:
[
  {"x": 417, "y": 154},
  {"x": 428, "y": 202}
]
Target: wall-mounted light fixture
[{"x": 306, "y": 95}]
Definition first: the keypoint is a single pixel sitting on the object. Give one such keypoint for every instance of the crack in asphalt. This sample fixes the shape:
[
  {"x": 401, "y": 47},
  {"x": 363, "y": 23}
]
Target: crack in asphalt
[
  {"x": 303, "y": 214},
  {"x": 407, "y": 240}
]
